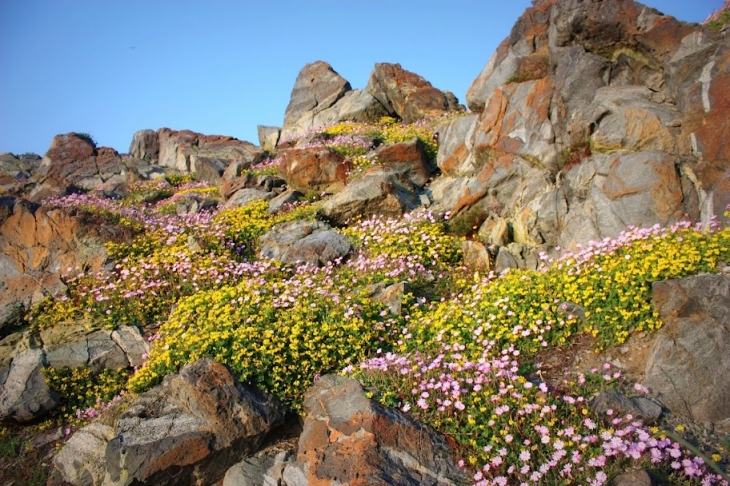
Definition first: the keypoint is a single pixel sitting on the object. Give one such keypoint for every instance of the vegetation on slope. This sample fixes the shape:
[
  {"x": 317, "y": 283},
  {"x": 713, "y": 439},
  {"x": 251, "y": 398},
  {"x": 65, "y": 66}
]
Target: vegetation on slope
[{"x": 461, "y": 354}]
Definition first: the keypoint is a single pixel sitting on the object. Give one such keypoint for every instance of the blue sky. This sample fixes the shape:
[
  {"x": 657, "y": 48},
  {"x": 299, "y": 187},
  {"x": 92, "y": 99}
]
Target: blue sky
[{"x": 112, "y": 67}]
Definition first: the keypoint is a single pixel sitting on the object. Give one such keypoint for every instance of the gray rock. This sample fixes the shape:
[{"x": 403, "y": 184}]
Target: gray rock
[
  {"x": 637, "y": 477},
  {"x": 189, "y": 430},
  {"x": 504, "y": 260},
  {"x": 282, "y": 200},
  {"x": 375, "y": 191},
  {"x": 455, "y": 156},
  {"x": 355, "y": 106},
  {"x": 268, "y": 137},
  {"x": 245, "y": 196},
  {"x": 688, "y": 368},
  {"x": 81, "y": 460},
  {"x": 74, "y": 345},
  {"x": 642, "y": 408},
  {"x": 24, "y": 395},
  {"x": 261, "y": 470},
  {"x": 145, "y": 145},
  {"x": 392, "y": 295},
  {"x": 407, "y": 95},
  {"x": 316, "y": 88},
  {"x": 297, "y": 242},
  {"x": 132, "y": 343}
]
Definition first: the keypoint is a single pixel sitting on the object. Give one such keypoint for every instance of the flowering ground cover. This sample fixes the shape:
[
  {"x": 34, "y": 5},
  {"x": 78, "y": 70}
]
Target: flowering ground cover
[{"x": 460, "y": 356}]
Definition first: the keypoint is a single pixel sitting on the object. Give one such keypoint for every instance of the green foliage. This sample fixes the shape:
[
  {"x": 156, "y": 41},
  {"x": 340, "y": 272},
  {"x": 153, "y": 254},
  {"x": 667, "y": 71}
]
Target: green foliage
[
  {"x": 719, "y": 21},
  {"x": 9, "y": 443},
  {"x": 81, "y": 389}
]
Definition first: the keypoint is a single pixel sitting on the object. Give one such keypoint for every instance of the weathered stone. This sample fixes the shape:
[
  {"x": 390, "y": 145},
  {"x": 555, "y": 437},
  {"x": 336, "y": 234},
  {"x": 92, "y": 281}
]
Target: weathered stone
[
  {"x": 455, "y": 156},
  {"x": 504, "y": 260},
  {"x": 81, "y": 460},
  {"x": 260, "y": 470},
  {"x": 392, "y": 295},
  {"x": 375, "y": 191},
  {"x": 407, "y": 159},
  {"x": 132, "y": 343},
  {"x": 245, "y": 196},
  {"x": 268, "y": 137},
  {"x": 637, "y": 477},
  {"x": 407, "y": 95},
  {"x": 190, "y": 430},
  {"x": 187, "y": 151},
  {"x": 283, "y": 200},
  {"x": 297, "y": 242},
  {"x": 314, "y": 169},
  {"x": 316, "y": 88},
  {"x": 476, "y": 255},
  {"x": 356, "y": 106},
  {"x": 642, "y": 408},
  {"x": 348, "y": 439},
  {"x": 24, "y": 395},
  {"x": 516, "y": 121},
  {"x": 688, "y": 369},
  {"x": 528, "y": 37},
  {"x": 145, "y": 145}
]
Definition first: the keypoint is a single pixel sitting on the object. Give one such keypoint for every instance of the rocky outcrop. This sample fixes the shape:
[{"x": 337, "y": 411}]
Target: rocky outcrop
[
  {"x": 76, "y": 344},
  {"x": 186, "y": 151},
  {"x": 407, "y": 95},
  {"x": 376, "y": 191},
  {"x": 73, "y": 162},
  {"x": 314, "y": 169},
  {"x": 24, "y": 394},
  {"x": 322, "y": 97},
  {"x": 37, "y": 244},
  {"x": 590, "y": 117},
  {"x": 298, "y": 242},
  {"x": 316, "y": 88},
  {"x": 688, "y": 368},
  {"x": 349, "y": 439},
  {"x": 190, "y": 430},
  {"x": 407, "y": 159}
]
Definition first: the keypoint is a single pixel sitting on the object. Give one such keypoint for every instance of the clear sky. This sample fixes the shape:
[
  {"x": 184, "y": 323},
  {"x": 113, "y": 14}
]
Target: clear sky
[{"x": 112, "y": 67}]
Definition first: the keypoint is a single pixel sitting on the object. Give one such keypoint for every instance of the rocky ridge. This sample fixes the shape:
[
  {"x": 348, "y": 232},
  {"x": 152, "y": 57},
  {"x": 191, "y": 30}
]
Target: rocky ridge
[{"x": 590, "y": 118}]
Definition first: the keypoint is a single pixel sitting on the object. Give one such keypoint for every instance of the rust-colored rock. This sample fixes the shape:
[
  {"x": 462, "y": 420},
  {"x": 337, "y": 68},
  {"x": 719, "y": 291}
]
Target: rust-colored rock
[
  {"x": 408, "y": 159},
  {"x": 314, "y": 169},
  {"x": 348, "y": 439},
  {"x": 408, "y": 95}
]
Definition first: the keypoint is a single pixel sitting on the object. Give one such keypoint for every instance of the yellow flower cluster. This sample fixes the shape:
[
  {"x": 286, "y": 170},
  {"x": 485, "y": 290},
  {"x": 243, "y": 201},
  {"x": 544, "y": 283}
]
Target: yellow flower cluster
[{"x": 275, "y": 333}]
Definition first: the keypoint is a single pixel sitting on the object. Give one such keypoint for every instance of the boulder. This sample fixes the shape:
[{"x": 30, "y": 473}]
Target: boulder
[
  {"x": 637, "y": 477},
  {"x": 145, "y": 145},
  {"x": 261, "y": 470},
  {"x": 516, "y": 121},
  {"x": 641, "y": 408},
  {"x": 24, "y": 394},
  {"x": 314, "y": 169},
  {"x": 206, "y": 155},
  {"x": 280, "y": 202},
  {"x": 407, "y": 159},
  {"x": 81, "y": 460},
  {"x": 268, "y": 137},
  {"x": 300, "y": 241},
  {"x": 407, "y": 95},
  {"x": 476, "y": 256},
  {"x": 376, "y": 191},
  {"x": 189, "y": 430},
  {"x": 74, "y": 162},
  {"x": 246, "y": 196},
  {"x": 316, "y": 88},
  {"x": 349, "y": 439},
  {"x": 688, "y": 369}
]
